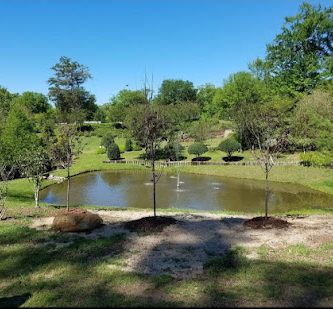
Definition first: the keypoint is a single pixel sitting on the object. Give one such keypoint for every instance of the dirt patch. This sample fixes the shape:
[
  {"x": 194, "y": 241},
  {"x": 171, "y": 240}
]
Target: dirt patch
[
  {"x": 150, "y": 224},
  {"x": 266, "y": 223}
]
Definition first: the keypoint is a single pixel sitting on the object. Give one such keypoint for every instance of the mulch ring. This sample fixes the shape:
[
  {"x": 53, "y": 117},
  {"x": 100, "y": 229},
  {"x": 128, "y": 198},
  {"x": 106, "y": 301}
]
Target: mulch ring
[
  {"x": 266, "y": 223},
  {"x": 150, "y": 224}
]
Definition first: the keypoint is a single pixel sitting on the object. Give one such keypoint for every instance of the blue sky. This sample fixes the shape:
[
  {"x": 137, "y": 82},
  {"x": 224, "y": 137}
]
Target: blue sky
[{"x": 203, "y": 41}]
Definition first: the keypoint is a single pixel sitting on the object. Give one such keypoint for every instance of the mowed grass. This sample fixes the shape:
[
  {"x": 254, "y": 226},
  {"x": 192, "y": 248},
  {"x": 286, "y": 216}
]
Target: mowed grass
[{"x": 62, "y": 270}]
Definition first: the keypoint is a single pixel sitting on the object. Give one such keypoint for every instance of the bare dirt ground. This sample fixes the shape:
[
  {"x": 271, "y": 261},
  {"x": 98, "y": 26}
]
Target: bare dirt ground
[{"x": 182, "y": 249}]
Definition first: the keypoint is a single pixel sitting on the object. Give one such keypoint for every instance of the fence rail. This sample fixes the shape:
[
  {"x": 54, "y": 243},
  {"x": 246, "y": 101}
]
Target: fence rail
[{"x": 186, "y": 163}]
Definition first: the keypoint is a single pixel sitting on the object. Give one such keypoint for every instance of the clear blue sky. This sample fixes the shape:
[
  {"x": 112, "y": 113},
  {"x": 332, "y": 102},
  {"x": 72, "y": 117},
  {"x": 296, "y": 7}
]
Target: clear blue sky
[{"x": 198, "y": 40}]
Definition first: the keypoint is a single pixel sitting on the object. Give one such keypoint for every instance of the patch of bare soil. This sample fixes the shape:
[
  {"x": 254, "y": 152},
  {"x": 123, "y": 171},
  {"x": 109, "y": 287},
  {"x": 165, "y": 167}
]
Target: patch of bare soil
[
  {"x": 181, "y": 248},
  {"x": 149, "y": 224},
  {"x": 266, "y": 223}
]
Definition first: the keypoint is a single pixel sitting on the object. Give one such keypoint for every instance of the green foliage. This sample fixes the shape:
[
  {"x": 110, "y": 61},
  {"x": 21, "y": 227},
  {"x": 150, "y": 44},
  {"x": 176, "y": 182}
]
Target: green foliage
[
  {"x": 229, "y": 145},
  {"x": 300, "y": 55},
  {"x": 199, "y": 130},
  {"x": 73, "y": 102},
  {"x": 173, "y": 151},
  {"x": 175, "y": 91},
  {"x": 113, "y": 151},
  {"x": 107, "y": 140},
  {"x": 128, "y": 145},
  {"x": 34, "y": 102},
  {"x": 315, "y": 158},
  {"x": 6, "y": 99},
  {"x": 197, "y": 149}
]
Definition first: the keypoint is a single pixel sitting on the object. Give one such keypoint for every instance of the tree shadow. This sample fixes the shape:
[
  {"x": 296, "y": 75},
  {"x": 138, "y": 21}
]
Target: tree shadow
[
  {"x": 200, "y": 159},
  {"x": 232, "y": 158},
  {"x": 14, "y": 301}
]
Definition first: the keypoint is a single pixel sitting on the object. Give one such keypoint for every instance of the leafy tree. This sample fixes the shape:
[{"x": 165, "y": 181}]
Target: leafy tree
[
  {"x": 67, "y": 148},
  {"x": 35, "y": 164},
  {"x": 197, "y": 149},
  {"x": 71, "y": 99},
  {"x": 199, "y": 130},
  {"x": 113, "y": 151},
  {"x": 173, "y": 150},
  {"x": 149, "y": 126},
  {"x": 175, "y": 91},
  {"x": 34, "y": 102},
  {"x": 205, "y": 97},
  {"x": 313, "y": 121},
  {"x": 229, "y": 146},
  {"x": 300, "y": 55},
  {"x": 6, "y": 99}
]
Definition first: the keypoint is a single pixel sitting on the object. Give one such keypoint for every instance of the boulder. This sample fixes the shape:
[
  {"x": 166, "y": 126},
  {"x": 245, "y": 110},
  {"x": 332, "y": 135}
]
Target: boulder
[{"x": 76, "y": 220}]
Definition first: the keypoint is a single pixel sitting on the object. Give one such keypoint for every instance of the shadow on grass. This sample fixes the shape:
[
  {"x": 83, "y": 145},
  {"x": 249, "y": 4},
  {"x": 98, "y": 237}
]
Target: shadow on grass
[
  {"x": 232, "y": 159},
  {"x": 63, "y": 270},
  {"x": 14, "y": 301},
  {"x": 200, "y": 159}
]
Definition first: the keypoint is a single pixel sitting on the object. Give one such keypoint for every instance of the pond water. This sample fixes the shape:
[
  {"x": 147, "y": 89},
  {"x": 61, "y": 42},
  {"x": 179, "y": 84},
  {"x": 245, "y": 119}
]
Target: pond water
[{"x": 201, "y": 192}]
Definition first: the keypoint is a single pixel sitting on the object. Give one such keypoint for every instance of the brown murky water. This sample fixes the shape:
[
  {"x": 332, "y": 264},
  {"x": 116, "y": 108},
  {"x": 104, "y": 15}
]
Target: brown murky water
[{"x": 201, "y": 192}]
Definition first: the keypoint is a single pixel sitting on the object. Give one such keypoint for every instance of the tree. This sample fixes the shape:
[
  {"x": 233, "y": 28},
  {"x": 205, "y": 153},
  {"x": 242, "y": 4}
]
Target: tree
[
  {"x": 173, "y": 150},
  {"x": 71, "y": 99},
  {"x": 205, "y": 97},
  {"x": 67, "y": 148},
  {"x": 107, "y": 140},
  {"x": 299, "y": 57},
  {"x": 7, "y": 170},
  {"x": 119, "y": 105},
  {"x": 229, "y": 146},
  {"x": 267, "y": 136},
  {"x": 113, "y": 151},
  {"x": 313, "y": 121},
  {"x": 6, "y": 99},
  {"x": 149, "y": 126},
  {"x": 34, "y": 102},
  {"x": 35, "y": 164},
  {"x": 175, "y": 91},
  {"x": 197, "y": 149}
]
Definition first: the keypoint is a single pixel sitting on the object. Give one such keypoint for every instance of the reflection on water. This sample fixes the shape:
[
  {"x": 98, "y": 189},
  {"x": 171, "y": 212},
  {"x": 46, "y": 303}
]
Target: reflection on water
[{"x": 124, "y": 189}]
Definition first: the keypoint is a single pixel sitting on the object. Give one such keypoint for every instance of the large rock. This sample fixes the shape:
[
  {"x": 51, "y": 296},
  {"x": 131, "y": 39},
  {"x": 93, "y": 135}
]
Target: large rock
[{"x": 76, "y": 220}]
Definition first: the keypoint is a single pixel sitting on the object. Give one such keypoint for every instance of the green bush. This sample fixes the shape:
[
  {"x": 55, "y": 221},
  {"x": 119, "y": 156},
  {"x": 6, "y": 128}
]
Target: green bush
[
  {"x": 229, "y": 146},
  {"x": 107, "y": 140},
  {"x": 314, "y": 158},
  {"x": 101, "y": 150},
  {"x": 136, "y": 147},
  {"x": 173, "y": 151},
  {"x": 113, "y": 152},
  {"x": 197, "y": 149},
  {"x": 128, "y": 145}
]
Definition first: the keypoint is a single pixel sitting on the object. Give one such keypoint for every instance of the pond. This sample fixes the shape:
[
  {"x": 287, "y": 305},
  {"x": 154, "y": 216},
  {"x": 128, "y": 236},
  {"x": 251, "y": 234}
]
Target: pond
[{"x": 200, "y": 192}]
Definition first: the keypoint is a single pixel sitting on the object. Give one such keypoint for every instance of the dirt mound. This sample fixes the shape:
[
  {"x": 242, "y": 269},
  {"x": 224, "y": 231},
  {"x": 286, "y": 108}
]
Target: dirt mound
[
  {"x": 150, "y": 224},
  {"x": 266, "y": 223},
  {"x": 76, "y": 220}
]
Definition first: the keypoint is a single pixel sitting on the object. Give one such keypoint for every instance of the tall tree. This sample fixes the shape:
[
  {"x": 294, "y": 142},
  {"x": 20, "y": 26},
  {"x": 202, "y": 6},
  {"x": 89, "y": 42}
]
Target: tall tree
[
  {"x": 149, "y": 127},
  {"x": 175, "y": 91},
  {"x": 300, "y": 56},
  {"x": 67, "y": 148},
  {"x": 71, "y": 99},
  {"x": 6, "y": 99}
]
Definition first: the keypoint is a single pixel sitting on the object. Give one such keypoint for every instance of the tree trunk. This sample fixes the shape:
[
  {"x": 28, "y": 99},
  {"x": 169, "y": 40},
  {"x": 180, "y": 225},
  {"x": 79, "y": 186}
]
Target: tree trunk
[
  {"x": 37, "y": 188},
  {"x": 68, "y": 188},
  {"x": 266, "y": 191},
  {"x": 154, "y": 186}
]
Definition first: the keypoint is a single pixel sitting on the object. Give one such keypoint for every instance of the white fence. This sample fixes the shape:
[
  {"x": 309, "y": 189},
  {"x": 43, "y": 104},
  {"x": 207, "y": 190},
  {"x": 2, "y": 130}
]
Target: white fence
[{"x": 186, "y": 163}]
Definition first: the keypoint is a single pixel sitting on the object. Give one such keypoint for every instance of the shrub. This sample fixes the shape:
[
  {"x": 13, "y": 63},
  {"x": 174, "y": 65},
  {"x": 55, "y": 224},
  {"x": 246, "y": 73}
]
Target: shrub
[
  {"x": 128, "y": 145},
  {"x": 107, "y": 140},
  {"x": 173, "y": 151},
  {"x": 229, "y": 146},
  {"x": 314, "y": 158},
  {"x": 197, "y": 149},
  {"x": 113, "y": 152},
  {"x": 136, "y": 147}
]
